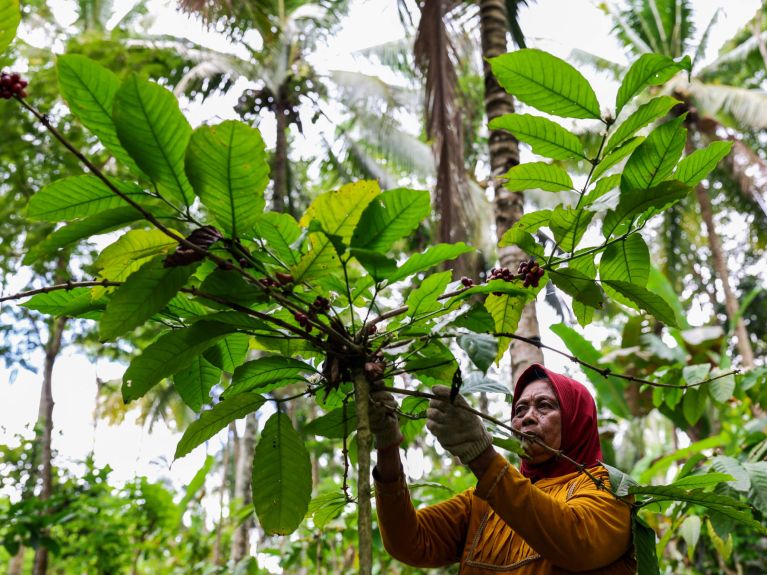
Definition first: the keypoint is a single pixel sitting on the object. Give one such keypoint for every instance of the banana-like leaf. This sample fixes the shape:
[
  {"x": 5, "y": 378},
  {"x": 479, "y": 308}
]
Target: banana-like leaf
[
  {"x": 89, "y": 90},
  {"x": 10, "y": 16},
  {"x": 537, "y": 175},
  {"x": 656, "y": 157},
  {"x": 546, "y": 138},
  {"x": 228, "y": 167},
  {"x": 390, "y": 216},
  {"x": 698, "y": 165},
  {"x": 155, "y": 133},
  {"x": 648, "y": 70},
  {"x": 282, "y": 477},
  {"x": 546, "y": 83},
  {"x": 194, "y": 382},
  {"x": 642, "y": 116}
]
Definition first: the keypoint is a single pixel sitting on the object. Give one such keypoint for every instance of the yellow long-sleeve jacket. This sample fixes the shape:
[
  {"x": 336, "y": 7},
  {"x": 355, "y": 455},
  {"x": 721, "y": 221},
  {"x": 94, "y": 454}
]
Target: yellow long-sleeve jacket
[{"x": 508, "y": 524}]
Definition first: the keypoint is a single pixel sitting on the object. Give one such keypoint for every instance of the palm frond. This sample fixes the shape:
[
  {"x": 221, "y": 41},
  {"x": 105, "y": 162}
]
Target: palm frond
[
  {"x": 747, "y": 107},
  {"x": 703, "y": 44},
  {"x": 396, "y": 55},
  {"x": 736, "y": 55},
  {"x": 599, "y": 63},
  {"x": 359, "y": 90},
  {"x": 512, "y": 15},
  {"x": 623, "y": 28}
]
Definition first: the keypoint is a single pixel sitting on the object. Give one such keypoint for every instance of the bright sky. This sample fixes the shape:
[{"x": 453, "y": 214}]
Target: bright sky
[{"x": 555, "y": 25}]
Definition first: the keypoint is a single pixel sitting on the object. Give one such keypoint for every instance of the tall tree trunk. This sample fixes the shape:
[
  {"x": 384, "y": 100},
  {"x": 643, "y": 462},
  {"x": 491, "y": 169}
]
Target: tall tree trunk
[
  {"x": 45, "y": 428},
  {"x": 504, "y": 154},
  {"x": 16, "y": 564},
  {"x": 242, "y": 483},
  {"x": 231, "y": 433},
  {"x": 364, "y": 445},
  {"x": 280, "y": 165}
]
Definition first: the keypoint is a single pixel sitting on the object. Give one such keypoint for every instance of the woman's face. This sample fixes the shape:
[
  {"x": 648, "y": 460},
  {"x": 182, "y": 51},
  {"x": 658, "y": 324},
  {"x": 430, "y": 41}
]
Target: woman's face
[{"x": 537, "y": 413}]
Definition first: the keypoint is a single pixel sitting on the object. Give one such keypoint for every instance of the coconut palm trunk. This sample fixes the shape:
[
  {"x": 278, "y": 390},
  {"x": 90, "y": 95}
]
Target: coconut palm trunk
[
  {"x": 504, "y": 154},
  {"x": 280, "y": 165}
]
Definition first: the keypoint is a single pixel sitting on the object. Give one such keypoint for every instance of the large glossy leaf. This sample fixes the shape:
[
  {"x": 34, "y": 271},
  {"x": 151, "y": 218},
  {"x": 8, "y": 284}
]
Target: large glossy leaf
[
  {"x": 481, "y": 349},
  {"x": 644, "y": 546},
  {"x": 537, "y": 175},
  {"x": 642, "y": 116},
  {"x": 390, "y": 216},
  {"x": 637, "y": 202},
  {"x": 545, "y": 137},
  {"x": 280, "y": 232},
  {"x": 578, "y": 285},
  {"x": 267, "y": 373},
  {"x": 520, "y": 234},
  {"x": 155, "y": 133},
  {"x": 434, "y": 255},
  {"x": 375, "y": 263},
  {"x": 339, "y": 211},
  {"x": 89, "y": 90},
  {"x": 78, "y": 197},
  {"x": 492, "y": 286},
  {"x": 757, "y": 472},
  {"x": 506, "y": 311},
  {"x": 217, "y": 418},
  {"x": 100, "y": 223},
  {"x": 698, "y": 165},
  {"x": 627, "y": 260},
  {"x": 585, "y": 265},
  {"x": 282, "y": 477},
  {"x": 229, "y": 352},
  {"x": 228, "y": 167},
  {"x": 423, "y": 299},
  {"x": 620, "y": 482},
  {"x": 568, "y": 226},
  {"x": 10, "y": 16},
  {"x": 194, "y": 382},
  {"x": 643, "y": 299},
  {"x": 609, "y": 389},
  {"x": 616, "y": 156},
  {"x": 132, "y": 250},
  {"x": 722, "y": 388},
  {"x": 171, "y": 352},
  {"x": 320, "y": 261},
  {"x": 731, "y": 466},
  {"x": 547, "y": 83},
  {"x": 336, "y": 424},
  {"x": 601, "y": 188},
  {"x": 648, "y": 70},
  {"x": 76, "y": 302},
  {"x": 656, "y": 157},
  {"x": 143, "y": 294},
  {"x": 230, "y": 286},
  {"x": 701, "y": 480}
]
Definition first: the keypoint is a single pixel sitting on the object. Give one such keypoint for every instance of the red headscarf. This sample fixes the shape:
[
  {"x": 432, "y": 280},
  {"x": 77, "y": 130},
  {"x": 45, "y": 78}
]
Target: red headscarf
[{"x": 580, "y": 435}]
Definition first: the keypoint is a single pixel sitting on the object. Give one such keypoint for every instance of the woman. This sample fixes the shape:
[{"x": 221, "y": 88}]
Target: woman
[{"x": 544, "y": 518}]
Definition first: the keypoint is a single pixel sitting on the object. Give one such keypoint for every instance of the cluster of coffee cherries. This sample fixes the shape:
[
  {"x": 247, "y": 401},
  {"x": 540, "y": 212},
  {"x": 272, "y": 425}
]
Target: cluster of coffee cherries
[
  {"x": 12, "y": 85},
  {"x": 319, "y": 305},
  {"x": 531, "y": 272}
]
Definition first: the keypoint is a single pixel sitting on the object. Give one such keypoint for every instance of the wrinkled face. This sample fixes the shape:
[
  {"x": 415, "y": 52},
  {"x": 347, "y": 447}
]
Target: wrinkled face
[{"x": 537, "y": 413}]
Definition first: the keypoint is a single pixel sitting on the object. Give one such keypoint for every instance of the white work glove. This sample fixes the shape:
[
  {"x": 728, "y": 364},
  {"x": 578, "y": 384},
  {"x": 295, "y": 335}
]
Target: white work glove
[
  {"x": 384, "y": 423},
  {"x": 457, "y": 430}
]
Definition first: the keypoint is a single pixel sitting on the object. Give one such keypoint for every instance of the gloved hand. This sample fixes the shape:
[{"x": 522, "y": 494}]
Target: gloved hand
[
  {"x": 457, "y": 430},
  {"x": 384, "y": 424}
]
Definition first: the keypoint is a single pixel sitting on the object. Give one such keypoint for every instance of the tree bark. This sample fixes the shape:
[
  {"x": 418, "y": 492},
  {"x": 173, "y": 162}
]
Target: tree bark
[
  {"x": 504, "y": 154},
  {"x": 242, "y": 483},
  {"x": 45, "y": 428},
  {"x": 280, "y": 165},
  {"x": 217, "y": 555},
  {"x": 364, "y": 508}
]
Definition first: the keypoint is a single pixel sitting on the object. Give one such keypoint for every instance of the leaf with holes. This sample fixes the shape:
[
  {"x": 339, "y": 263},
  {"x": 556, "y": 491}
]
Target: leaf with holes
[
  {"x": 282, "y": 477},
  {"x": 547, "y": 83}
]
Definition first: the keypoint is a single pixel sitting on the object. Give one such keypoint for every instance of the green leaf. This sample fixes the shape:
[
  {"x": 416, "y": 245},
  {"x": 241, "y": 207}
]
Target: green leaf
[
  {"x": 723, "y": 548},
  {"x": 89, "y": 90},
  {"x": 693, "y": 405},
  {"x": 144, "y": 293},
  {"x": 634, "y": 203},
  {"x": 617, "y": 155},
  {"x": 662, "y": 464},
  {"x": 230, "y": 286},
  {"x": 701, "y": 481},
  {"x": 690, "y": 532},
  {"x": 642, "y": 116},
  {"x": 609, "y": 389},
  {"x": 325, "y": 507},
  {"x": 77, "y": 197},
  {"x": 93, "y": 225},
  {"x": 217, "y": 418},
  {"x": 568, "y": 226},
  {"x": 497, "y": 286},
  {"x": 620, "y": 482},
  {"x": 171, "y": 352},
  {"x": 578, "y": 285},
  {"x": 266, "y": 374},
  {"x": 476, "y": 319},
  {"x": 546, "y": 138},
  {"x": 480, "y": 347},
  {"x": 194, "y": 382},
  {"x": 132, "y": 250},
  {"x": 282, "y": 477},
  {"x": 229, "y": 353},
  {"x": 321, "y": 260},
  {"x": 390, "y": 216},
  {"x": 643, "y": 299},
  {"x": 537, "y": 175},
  {"x": 506, "y": 311},
  {"x": 423, "y": 299},
  {"x": 698, "y": 165},
  {"x": 71, "y": 303},
  {"x": 722, "y": 388},
  {"x": 155, "y": 133},
  {"x": 10, "y": 16},
  {"x": 627, "y": 261},
  {"x": 732, "y": 467},
  {"x": 228, "y": 168},
  {"x": 434, "y": 255},
  {"x": 648, "y": 70},
  {"x": 337, "y": 424},
  {"x": 529, "y": 222},
  {"x": 280, "y": 232},
  {"x": 547, "y": 83},
  {"x": 339, "y": 211},
  {"x": 375, "y": 263},
  {"x": 644, "y": 547},
  {"x": 656, "y": 157},
  {"x": 757, "y": 472},
  {"x": 601, "y": 188}
]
